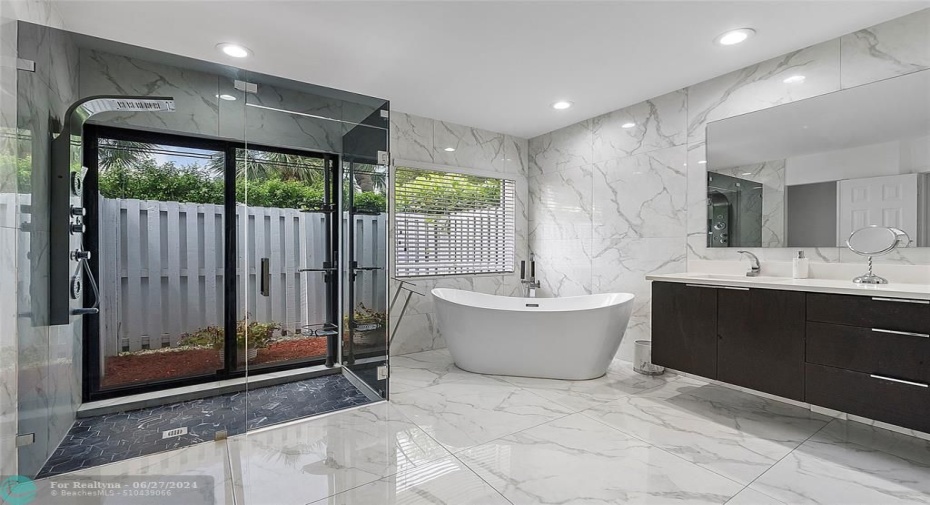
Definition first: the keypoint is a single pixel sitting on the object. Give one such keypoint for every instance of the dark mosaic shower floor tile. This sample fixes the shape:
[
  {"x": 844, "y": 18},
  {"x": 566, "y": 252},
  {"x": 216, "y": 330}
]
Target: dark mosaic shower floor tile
[{"x": 114, "y": 437}]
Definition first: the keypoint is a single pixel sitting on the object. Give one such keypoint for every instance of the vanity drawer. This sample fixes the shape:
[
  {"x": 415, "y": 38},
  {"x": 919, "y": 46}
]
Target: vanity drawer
[
  {"x": 861, "y": 394},
  {"x": 870, "y": 312},
  {"x": 869, "y": 351}
]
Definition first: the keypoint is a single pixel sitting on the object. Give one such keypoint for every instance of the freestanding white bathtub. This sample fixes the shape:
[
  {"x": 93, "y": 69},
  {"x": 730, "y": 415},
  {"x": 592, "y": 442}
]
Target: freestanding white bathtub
[{"x": 557, "y": 338}]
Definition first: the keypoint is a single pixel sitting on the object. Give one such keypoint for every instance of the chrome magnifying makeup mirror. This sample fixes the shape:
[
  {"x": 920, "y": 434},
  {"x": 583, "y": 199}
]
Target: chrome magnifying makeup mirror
[{"x": 875, "y": 241}]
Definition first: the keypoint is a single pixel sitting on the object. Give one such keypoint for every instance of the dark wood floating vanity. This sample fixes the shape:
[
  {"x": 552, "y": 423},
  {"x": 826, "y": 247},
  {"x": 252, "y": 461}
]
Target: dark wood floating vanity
[{"x": 865, "y": 355}]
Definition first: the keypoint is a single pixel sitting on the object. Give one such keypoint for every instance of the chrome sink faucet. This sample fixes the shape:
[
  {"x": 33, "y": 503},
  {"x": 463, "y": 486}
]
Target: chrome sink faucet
[{"x": 755, "y": 268}]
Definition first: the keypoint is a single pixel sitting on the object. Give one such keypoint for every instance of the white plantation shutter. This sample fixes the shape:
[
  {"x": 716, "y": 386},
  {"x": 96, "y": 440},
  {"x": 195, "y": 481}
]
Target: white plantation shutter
[{"x": 445, "y": 226}]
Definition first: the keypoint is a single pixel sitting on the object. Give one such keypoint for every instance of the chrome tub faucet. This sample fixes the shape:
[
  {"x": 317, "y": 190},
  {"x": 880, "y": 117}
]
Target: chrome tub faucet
[{"x": 531, "y": 284}]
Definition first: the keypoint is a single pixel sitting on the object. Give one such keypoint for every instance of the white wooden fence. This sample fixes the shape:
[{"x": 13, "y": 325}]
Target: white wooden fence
[{"x": 162, "y": 269}]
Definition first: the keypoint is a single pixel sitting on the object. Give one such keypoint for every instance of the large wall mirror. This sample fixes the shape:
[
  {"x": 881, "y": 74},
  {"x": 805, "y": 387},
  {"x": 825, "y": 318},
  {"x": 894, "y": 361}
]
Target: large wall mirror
[{"x": 809, "y": 173}]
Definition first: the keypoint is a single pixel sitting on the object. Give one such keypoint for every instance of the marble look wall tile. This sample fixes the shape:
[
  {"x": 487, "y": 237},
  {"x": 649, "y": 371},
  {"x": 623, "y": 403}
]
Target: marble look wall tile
[
  {"x": 567, "y": 147},
  {"x": 474, "y": 148},
  {"x": 516, "y": 155},
  {"x": 46, "y": 390},
  {"x": 197, "y": 107},
  {"x": 564, "y": 266},
  {"x": 417, "y": 332},
  {"x": 423, "y": 140},
  {"x": 40, "y": 12},
  {"x": 642, "y": 195},
  {"x": 658, "y": 123},
  {"x": 761, "y": 86},
  {"x": 897, "y": 47},
  {"x": 771, "y": 176},
  {"x": 8, "y": 350},
  {"x": 264, "y": 126},
  {"x": 562, "y": 204},
  {"x": 411, "y": 137},
  {"x": 8, "y": 36},
  {"x": 621, "y": 266}
]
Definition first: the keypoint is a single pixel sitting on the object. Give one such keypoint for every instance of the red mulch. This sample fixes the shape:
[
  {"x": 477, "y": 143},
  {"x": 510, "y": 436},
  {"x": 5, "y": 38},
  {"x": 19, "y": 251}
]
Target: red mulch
[{"x": 135, "y": 368}]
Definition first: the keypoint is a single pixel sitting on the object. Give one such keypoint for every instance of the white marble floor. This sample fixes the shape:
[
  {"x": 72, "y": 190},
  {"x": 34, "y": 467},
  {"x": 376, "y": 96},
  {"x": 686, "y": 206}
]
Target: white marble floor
[{"x": 451, "y": 437}]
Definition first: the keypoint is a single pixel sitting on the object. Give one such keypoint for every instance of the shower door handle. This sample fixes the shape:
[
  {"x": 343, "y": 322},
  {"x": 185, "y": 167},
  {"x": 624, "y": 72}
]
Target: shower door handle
[{"x": 265, "y": 278}]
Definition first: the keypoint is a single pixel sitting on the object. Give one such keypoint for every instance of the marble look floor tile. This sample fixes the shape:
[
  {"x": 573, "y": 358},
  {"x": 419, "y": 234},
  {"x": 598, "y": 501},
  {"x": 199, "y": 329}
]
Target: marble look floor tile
[
  {"x": 442, "y": 482},
  {"x": 207, "y": 459},
  {"x": 581, "y": 395},
  {"x": 750, "y": 496},
  {"x": 461, "y": 415},
  {"x": 430, "y": 368},
  {"x": 327, "y": 455},
  {"x": 852, "y": 463},
  {"x": 576, "y": 460},
  {"x": 735, "y": 434}
]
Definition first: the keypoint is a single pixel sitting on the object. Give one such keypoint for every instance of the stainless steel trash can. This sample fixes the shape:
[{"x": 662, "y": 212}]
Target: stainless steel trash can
[{"x": 642, "y": 359}]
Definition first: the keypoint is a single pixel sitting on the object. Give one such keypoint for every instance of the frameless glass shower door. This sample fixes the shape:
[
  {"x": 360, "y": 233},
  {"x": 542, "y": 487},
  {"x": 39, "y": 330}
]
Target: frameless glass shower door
[
  {"x": 365, "y": 201},
  {"x": 287, "y": 307}
]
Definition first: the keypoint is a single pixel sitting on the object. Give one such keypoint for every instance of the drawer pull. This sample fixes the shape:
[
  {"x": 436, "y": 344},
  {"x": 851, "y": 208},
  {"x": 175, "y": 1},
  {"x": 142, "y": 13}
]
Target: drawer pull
[
  {"x": 900, "y": 300},
  {"x": 711, "y": 286},
  {"x": 909, "y": 383},
  {"x": 908, "y": 333}
]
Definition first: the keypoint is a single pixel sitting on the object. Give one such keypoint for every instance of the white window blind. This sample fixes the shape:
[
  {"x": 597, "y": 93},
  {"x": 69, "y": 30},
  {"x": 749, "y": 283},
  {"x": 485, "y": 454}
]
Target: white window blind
[{"x": 449, "y": 223}]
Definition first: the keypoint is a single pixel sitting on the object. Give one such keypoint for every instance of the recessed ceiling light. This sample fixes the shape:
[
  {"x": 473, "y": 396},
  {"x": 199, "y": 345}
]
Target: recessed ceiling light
[
  {"x": 561, "y": 105},
  {"x": 226, "y": 97},
  {"x": 794, "y": 79},
  {"x": 449, "y": 149},
  {"x": 234, "y": 50},
  {"x": 734, "y": 36},
  {"x": 702, "y": 162},
  {"x": 627, "y": 125}
]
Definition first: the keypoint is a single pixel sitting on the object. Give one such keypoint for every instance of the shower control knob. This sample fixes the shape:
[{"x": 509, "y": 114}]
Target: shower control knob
[
  {"x": 77, "y": 228},
  {"x": 76, "y": 287},
  {"x": 78, "y": 255},
  {"x": 77, "y": 183},
  {"x": 78, "y": 211}
]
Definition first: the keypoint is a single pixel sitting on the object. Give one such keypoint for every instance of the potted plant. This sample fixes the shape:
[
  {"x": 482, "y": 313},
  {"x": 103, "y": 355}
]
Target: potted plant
[
  {"x": 369, "y": 326},
  {"x": 250, "y": 337}
]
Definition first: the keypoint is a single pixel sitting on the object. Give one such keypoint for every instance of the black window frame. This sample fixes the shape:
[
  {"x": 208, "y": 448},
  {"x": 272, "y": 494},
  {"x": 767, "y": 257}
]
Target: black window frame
[{"x": 90, "y": 384}]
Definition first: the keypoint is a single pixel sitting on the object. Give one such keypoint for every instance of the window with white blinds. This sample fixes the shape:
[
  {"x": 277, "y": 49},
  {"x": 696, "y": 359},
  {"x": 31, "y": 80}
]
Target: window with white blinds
[{"x": 448, "y": 223}]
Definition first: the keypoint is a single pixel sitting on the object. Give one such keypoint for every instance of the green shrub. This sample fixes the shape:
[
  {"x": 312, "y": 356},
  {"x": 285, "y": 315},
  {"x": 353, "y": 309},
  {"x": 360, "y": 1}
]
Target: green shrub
[
  {"x": 370, "y": 202},
  {"x": 256, "y": 335}
]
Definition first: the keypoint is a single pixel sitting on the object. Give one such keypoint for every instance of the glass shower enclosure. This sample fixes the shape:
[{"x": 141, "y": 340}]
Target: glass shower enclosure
[{"x": 237, "y": 242}]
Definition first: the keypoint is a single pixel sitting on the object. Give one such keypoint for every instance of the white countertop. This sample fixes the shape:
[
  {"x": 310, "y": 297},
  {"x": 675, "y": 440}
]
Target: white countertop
[{"x": 843, "y": 287}]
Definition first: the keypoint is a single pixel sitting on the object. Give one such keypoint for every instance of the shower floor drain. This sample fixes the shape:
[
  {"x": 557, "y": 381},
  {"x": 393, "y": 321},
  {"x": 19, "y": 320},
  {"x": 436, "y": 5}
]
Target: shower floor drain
[{"x": 177, "y": 432}]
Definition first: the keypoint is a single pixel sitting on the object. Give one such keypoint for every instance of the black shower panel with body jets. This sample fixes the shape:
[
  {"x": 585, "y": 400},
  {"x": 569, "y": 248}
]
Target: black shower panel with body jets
[{"x": 68, "y": 261}]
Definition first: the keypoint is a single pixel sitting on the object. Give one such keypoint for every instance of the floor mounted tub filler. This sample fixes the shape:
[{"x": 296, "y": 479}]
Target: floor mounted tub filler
[{"x": 572, "y": 338}]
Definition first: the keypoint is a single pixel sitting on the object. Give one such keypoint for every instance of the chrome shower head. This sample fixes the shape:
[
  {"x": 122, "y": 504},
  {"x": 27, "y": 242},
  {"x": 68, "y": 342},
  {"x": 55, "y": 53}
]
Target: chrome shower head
[
  {"x": 107, "y": 104},
  {"x": 81, "y": 111}
]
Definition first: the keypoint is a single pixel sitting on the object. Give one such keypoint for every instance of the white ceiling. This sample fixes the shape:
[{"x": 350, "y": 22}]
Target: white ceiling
[{"x": 489, "y": 64}]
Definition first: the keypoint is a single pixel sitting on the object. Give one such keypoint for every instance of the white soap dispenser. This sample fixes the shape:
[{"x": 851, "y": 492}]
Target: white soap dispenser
[{"x": 800, "y": 266}]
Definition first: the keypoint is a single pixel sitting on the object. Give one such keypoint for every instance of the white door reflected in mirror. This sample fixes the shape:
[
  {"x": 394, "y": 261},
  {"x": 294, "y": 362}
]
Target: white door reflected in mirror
[{"x": 874, "y": 241}]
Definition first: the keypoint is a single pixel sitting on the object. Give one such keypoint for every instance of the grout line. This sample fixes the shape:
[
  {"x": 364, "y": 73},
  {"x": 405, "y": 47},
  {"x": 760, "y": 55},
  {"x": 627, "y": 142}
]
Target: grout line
[
  {"x": 662, "y": 400},
  {"x": 228, "y": 470},
  {"x": 779, "y": 461},
  {"x": 476, "y": 474}
]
